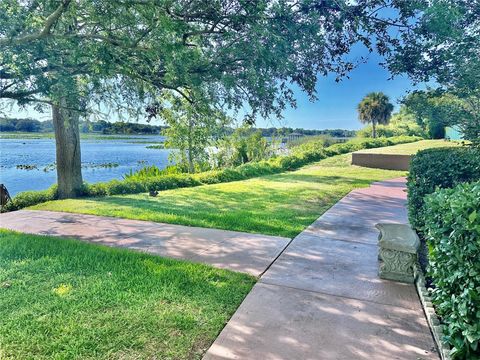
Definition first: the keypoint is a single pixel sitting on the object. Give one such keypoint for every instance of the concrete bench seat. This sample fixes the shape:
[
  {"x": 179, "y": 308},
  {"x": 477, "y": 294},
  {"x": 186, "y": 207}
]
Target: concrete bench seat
[{"x": 398, "y": 248}]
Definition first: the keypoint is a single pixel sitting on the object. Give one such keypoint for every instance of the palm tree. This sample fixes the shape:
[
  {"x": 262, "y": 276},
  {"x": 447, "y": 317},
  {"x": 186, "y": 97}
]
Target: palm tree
[{"x": 375, "y": 108}]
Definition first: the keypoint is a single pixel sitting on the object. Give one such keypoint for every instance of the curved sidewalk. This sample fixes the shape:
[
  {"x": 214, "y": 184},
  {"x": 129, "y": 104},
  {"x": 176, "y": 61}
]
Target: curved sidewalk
[
  {"x": 322, "y": 298},
  {"x": 233, "y": 250}
]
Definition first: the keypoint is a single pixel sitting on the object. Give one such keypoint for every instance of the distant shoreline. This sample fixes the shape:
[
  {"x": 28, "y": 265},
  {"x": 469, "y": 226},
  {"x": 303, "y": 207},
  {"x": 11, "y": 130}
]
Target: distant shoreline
[{"x": 85, "y": 136}]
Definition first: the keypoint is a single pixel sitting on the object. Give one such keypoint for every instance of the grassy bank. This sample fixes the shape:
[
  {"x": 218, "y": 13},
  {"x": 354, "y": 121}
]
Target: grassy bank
[
  {"x": 281, "y": 204},
  {"x": 66, "y": 299},
  {"x": 412, "y": 148}
]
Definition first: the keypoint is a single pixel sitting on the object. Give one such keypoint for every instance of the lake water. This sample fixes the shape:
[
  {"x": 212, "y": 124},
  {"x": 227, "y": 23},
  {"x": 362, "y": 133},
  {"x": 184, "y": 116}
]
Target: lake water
[{"x": 129, "y": 152}]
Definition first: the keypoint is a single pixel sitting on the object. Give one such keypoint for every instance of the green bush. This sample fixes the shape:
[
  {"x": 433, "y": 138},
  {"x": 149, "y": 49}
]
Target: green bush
[
  {"x": 440, "y": 167},
  {"x": 29, "y": 198},
  {"x": 171, "y": 181},
  {"x": 391, "y": 130},
  {"x": 253, "y": 169},
  {"x": 210, "y": 177},
  {"x": 153, "y": 179},
  {"x": 452, "y": 230}
]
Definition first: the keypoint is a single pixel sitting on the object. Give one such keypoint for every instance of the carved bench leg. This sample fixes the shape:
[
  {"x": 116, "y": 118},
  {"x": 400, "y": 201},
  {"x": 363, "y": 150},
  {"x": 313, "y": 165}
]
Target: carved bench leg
[{"x": 396, "y": 265}]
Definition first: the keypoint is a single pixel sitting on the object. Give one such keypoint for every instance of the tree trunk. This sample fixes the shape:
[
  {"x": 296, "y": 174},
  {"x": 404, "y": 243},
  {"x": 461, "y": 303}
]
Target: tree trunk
[
  {"x": 374, "y": 129},
  {"x": 67, "y": 139},
  {"x": 191, "y": 167}
]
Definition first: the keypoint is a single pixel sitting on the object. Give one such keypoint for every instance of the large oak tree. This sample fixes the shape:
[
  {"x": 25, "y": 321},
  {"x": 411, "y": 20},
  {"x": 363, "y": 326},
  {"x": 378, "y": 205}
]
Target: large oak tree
[{"x": 224, "y": 54}]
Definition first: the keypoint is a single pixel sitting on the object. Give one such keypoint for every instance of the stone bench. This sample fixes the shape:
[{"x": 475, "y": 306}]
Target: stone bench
[{"x": 398, "y": 245}]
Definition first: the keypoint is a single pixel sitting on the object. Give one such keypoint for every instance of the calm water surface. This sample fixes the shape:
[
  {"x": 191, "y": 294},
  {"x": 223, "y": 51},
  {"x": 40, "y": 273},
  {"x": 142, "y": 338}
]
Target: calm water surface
[{"x": 128, "y": 153}]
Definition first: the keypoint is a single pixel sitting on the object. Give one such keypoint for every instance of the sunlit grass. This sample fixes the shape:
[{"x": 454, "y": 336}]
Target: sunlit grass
[
  {"x": 412, "y": 148},
  {"x": 65, "y": 299},
  {"x": 282, "y": 204}
]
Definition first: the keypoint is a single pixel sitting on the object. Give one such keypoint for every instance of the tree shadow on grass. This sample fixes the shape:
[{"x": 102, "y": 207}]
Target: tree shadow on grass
[
  {"x": 281, "y": 212},
  {"x": 259, "y": 208}
]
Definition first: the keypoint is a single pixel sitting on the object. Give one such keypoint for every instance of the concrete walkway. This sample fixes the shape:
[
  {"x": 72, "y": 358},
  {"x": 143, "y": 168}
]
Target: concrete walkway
[
  {"x": 243, "y": 252},
  {"x": 322, "y": 298}
]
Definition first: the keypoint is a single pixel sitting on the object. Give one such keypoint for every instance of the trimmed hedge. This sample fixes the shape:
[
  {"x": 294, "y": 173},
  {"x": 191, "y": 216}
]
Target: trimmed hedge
[
  {"x": 452, "y": 231},
  {"x": 302, "y": 155},
  {"x": 29, "y": 198},
  {"x": 438, "y": 168}
]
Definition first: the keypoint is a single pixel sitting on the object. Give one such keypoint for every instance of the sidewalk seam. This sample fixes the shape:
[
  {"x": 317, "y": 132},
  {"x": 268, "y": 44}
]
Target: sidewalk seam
[{"x": 330, "y": 294}]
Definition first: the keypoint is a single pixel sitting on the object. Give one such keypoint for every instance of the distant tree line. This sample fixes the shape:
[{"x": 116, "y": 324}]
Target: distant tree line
[
  {"x": 268, "y": 132},
  {"x": 25, "y": 125},
  {"x": 127, "y": 128},
  {"x": 284, "y": 131},
  {"x": 101, "y": 127},
  {"x": 119, "y": 127}
]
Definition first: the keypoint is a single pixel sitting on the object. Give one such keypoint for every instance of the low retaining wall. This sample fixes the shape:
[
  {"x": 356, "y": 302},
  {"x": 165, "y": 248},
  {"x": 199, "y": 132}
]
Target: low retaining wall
[{"x": 381, "y": 161}]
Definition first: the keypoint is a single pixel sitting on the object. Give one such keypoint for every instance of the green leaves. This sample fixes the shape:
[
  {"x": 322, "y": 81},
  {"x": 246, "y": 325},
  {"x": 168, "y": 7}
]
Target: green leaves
[
  {"x": 473, "y": 216},
  {"x": 455, "y": 264},
  {"x": 236, "y": 53},
  {"x": 438, "y": 168},
  {"x": 442, "y": 48}
]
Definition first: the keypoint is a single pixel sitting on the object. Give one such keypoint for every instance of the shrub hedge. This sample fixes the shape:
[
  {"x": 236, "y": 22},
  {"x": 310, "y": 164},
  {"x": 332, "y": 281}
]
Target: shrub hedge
[
  {"x": 300, "y": 156},
  {"x": 452, "y": 231},
  {"x": 440, "y": 167}
]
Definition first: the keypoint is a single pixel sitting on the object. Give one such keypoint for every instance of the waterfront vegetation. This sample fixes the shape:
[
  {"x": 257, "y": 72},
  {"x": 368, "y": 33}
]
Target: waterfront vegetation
[
  {"x": 67, "y": 299},
  {"x": 142, "y": 182}
]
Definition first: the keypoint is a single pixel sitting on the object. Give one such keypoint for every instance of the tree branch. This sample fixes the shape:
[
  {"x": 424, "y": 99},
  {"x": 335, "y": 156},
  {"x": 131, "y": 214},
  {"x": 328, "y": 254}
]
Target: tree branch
[{"x": 49, "y": 22}]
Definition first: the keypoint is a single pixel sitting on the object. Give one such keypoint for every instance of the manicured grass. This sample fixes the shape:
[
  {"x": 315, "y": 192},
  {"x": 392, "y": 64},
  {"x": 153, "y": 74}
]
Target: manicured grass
[
  {"x": 411, "y": 148},
  {"x": 282, "y": 204},
  {"x": 65, "y": 299}
]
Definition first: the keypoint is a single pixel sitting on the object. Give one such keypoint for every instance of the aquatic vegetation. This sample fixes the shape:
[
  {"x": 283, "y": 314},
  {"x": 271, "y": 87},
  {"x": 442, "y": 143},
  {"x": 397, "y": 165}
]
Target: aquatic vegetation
[
  {"x": 102, "y": 165},
  {"x": 27, "y": 167},
  {"x": 50, "y": 167},
  {"x": 157, "y": 146}
]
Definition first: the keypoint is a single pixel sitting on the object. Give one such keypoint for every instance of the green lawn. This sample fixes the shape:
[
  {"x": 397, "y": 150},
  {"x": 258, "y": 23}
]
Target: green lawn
[
  {"x": 411, "y": 148},
  {"x": 282, "y": 204},
  {"x": 65, "y": 299}
]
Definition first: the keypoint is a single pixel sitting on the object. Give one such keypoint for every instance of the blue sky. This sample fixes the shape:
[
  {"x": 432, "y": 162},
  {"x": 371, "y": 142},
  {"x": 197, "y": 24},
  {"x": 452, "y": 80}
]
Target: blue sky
[{"x": 337, "y": 102}]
